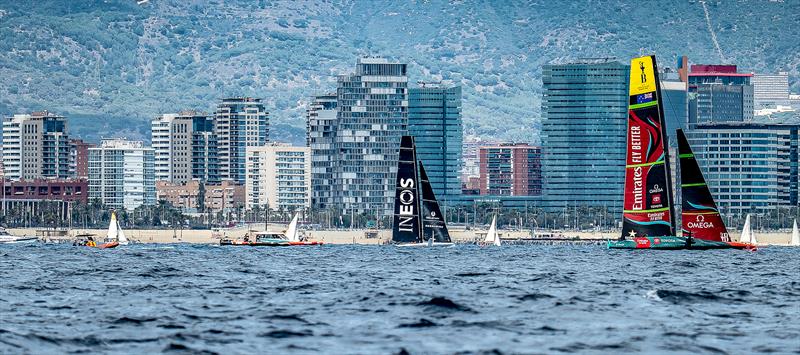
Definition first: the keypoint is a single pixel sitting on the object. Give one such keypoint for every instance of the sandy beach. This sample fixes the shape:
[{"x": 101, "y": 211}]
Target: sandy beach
[{"x": 358, "y": 236}]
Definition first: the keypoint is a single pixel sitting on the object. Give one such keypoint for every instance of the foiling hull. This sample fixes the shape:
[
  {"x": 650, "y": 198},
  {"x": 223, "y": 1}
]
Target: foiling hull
[
  {"x": 424, "y": 244},
  {"x": 675, "y": 243}
]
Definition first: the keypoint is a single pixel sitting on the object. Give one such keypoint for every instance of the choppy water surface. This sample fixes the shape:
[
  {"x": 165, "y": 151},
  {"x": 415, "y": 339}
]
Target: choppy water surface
[{"x": 371, "y": 299}]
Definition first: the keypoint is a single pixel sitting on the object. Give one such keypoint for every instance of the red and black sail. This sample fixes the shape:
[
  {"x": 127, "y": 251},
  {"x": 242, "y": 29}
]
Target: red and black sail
[
  {"x": 700, "y": 217},
  {"x": 647, "y": 207}
]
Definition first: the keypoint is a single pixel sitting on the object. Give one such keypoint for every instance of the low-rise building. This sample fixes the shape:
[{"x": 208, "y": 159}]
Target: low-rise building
[
  {"x": 76, "y": 190},
  {"x": 222, "y": 197},
  {"x": 278, "y": 176}
]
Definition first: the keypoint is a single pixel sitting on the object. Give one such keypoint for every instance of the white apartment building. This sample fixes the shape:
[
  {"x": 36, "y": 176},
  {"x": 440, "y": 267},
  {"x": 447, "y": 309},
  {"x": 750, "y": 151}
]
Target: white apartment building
[
  {"x": 279, "y": 176},
  {"x": 122, "y": 174}
]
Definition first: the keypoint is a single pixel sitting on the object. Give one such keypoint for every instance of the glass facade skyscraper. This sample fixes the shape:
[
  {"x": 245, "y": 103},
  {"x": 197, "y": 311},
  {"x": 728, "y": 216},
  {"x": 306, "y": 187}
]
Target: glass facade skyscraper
[
  {"x": 372, "y": 115},
  {"x": 749, "y": 167},
  {"x": 434, "y": 119},
  {"x": 585, "y": 107}
]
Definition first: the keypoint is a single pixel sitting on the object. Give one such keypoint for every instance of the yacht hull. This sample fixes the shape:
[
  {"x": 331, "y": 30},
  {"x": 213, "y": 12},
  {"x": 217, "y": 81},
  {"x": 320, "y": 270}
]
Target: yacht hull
[{"x": 674, "y": 243}]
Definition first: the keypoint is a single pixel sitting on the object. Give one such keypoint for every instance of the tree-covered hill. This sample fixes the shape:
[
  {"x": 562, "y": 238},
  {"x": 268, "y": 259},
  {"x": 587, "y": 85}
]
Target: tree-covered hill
[{"x": 113, "y": 65}]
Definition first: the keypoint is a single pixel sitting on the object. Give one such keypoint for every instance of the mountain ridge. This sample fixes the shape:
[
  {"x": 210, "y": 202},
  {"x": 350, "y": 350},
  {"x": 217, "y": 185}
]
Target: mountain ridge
[{"x": 130, "y": 62}]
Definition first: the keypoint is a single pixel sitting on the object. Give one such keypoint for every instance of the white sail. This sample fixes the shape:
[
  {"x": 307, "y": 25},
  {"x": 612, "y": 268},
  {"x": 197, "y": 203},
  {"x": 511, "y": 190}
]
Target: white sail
[
  {"x": 121, "y": 238},
  {"x": 491, "y": 236},
  {"x": 291, "y": 233},
  {"x": 795, "y": 235},
  {"x": 747, "y": 233},
  {"x": 112, "y": 227}
]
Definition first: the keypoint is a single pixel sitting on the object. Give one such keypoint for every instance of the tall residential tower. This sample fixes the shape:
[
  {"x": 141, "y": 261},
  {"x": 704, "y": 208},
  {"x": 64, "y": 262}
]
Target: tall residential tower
[
  {"x": 241, "y": 122},
  {"x": 36, "y": 146},
  {"x": 185, "y": 148},
  {"x": 372, "y": 115}
]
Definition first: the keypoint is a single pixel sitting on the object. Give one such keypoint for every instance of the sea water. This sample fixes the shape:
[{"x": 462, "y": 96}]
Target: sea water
[{"x": 348, "y": 299}]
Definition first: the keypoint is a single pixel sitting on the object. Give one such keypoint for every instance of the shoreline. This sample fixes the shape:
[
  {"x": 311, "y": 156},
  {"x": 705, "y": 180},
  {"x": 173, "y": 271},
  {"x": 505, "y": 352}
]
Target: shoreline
[{"x": 355, "y": 236}]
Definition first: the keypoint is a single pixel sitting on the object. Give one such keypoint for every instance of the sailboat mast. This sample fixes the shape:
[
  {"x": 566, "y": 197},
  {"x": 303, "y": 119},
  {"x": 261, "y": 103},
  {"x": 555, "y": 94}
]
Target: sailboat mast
[{"x": 667, "y": 166}]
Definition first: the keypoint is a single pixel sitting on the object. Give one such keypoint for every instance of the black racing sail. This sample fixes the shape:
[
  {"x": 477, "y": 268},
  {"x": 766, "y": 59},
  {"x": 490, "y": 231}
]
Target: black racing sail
[
  {"x": 407, "y": 225},
  {"x": 647, "y": 207},
  {"x": 700, "y": 217},
  {"x": 433, "y": 223}
]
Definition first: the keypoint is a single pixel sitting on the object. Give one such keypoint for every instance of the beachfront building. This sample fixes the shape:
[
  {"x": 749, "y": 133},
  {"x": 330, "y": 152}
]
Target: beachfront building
[
  {"x": 36, "y": 146},
  {"x": 585, "y": 111},
  {"x": 185, "y": 148},
  {"x": 321, "y": 137},
  {"x": 510, "y": 169},
  {"x": 719, "y": 93},
  {"x": 278, "y": 177},
  {"x": 197, "y": 197},
  {"x": 122, "y": 174},
  {"x": 750, "y": 167},
  {"x": 240, "y": 122},
  {"x": 434, "y": 119},
  {"x": 372, "y": 116}
]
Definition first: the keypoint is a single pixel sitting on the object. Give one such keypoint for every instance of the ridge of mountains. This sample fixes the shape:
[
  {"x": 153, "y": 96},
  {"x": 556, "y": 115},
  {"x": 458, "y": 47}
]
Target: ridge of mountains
[{"x": 113, "y": 65}]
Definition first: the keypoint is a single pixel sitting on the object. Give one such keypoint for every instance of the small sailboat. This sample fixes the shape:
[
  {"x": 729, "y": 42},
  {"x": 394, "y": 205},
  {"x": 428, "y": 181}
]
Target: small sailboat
[
  {"x": 418, "y": 220},
  {"x": 293, "y": 235},
  {"x": 492, "y": 237},
  {"x": 747, "y": 233},
  {"x": 648, "y": 209},
  {"x": 115, "y": 235},
  {"x": 795, "y": 241}
]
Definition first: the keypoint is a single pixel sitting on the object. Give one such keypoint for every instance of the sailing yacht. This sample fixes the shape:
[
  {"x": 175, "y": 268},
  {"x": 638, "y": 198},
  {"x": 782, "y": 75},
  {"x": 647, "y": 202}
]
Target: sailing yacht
[
  {"x": 747, "y": 233},
  {"x": 492, "y": 237},
  {"x": 418, "y": 220},
  {"x": 795, "y": 241},
  {"x": 648, "y": 215},
  {"x": 115, "y": 235}
]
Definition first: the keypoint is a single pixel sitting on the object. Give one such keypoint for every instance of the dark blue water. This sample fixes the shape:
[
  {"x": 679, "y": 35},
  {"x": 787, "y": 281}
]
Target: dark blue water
[{"x": 371, "y": 299}]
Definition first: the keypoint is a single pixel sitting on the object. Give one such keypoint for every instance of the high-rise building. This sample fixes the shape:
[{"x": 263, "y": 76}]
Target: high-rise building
[
  {"x": 749, "y": 166},
  {"x": 185, "y": 148},
  {"x": 36, "y": 146},
  {"x": 321, "y": 137},
  {"x": 79, "y": 158},
  {"x": 372, "y": 115},
  {"x": 122, "y": 174},
  {"x": 585, "y": 109},
  {"x": 240, "y": 122},
  {"x": 719, "y": 93},
  {"x": 510, "y": 169},
  {"x": 278, "y": 176},
  {"x": 434, "y": 119},
  {"x": 770, "y": 90}
]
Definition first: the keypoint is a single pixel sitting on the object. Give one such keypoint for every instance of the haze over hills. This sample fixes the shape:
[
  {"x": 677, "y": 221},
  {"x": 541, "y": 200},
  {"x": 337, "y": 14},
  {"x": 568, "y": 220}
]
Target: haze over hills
[{"x": 111, "y": 66}]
